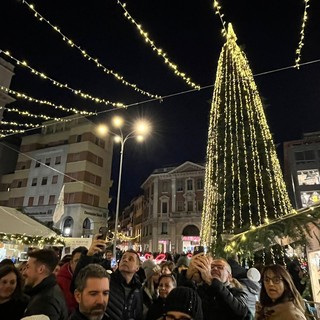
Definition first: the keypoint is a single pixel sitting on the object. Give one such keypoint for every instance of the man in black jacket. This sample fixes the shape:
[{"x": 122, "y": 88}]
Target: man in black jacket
[
  {"x": 125, "y": 300},
  {"x": 45, "y": 294},
  {"x": 215, "y": 290},
  {"x": 92, "y": 293}
]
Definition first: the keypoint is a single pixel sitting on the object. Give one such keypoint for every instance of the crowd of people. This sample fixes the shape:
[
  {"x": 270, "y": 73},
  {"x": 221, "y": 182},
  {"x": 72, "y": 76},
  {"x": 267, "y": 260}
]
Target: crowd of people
[{"x": 87, "y": 286}]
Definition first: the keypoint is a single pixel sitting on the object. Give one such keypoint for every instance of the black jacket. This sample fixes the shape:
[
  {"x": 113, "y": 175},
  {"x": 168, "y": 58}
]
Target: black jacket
[
  {"x": 14, "y": 308},
  {"x": 120, "y": 306},
  {"x": 156, "y": 310},
  {"x": 229, "y": 303},
  {"x": 47, "y": 298}
]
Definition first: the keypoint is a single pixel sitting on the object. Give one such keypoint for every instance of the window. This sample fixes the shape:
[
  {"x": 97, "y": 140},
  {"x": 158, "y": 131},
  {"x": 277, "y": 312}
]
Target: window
[
  {"x": 38, "y": 162},
  {"x": 179, "y": 185},
  {"x": 308, "y": 177},
  {"x": 48, "y": 160},
  {"x": 190, "y": 205},
  {"x": 180, "y": 206},
  {"x": 164, "y": 228},
  {"x": 165, "y": 185},
  {"x": 19, "y": 184},
  {"x": 189, "y": 184},
  {"x": 34, "y": 182},
  {"x": 199, "y": 205},
  {"x": 200, "y": 184},
  {"x": 54, "y": 179},
  {"x": 40, "y": 200},
  {"x": 164, "y": 208},
  {"x": 44, "y": 181},
  {"x": 305, "y": 156},
  {"x": 51, "y": 199},
  {"x": 30, "y": 201},
  {"x": 79, "y": 138},
  {"x": 58, "y": 160}
]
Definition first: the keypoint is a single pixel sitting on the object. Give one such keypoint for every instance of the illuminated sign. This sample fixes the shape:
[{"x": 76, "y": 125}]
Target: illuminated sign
[{"x": 190, "y": 238}]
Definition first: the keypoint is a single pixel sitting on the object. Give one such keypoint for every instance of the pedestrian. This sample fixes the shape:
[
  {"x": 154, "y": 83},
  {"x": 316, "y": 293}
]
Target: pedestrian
[
  {"x": 12, "y": 301},
  {"x": 45, "y": 294},
  {"x": 92, "y": 293},
  {"x": 279, "y": 298}
]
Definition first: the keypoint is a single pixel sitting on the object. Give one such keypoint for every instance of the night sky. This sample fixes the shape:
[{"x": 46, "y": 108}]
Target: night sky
[{"x": 190, "y": 33}]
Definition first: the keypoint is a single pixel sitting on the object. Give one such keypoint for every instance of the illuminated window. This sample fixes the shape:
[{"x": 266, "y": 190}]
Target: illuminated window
[
  {"x": 309, "y": 198},
  {"x": 308, "y": 177}
]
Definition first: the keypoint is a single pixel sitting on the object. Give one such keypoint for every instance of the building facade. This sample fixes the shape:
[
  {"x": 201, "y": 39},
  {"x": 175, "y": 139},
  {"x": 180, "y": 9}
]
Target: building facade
[
  {"x": 301, "y": 169},
  {"x": 172, "y": 207},
  {"x": 68, "y": 154}
]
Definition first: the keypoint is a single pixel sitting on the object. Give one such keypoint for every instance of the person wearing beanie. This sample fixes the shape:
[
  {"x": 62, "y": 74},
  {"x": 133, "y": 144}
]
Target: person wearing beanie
[
  {"x": 150, "y": 285},
  {"x": 182, "y": 263},
  {"x": 184, "y": 303}
]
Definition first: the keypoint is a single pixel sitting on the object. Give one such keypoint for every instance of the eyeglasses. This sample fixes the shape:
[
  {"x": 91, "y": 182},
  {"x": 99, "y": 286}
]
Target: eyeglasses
[
  {"x": 275, "y": 280},
  {"x": 171, "y": 317},
  {"x": 218, "y": 266}
]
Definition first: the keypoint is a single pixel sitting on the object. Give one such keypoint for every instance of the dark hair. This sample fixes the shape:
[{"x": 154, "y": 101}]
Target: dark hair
[
  {"x": 290, "y": 292},
  {"x": 6, "y": 262},
  {"x": 135, "y": 252},
  {"x": 92, "y": 270},
  {"x": 5, "y": 270},
  {"x": 47, "y": 257},
  {"x": 174, "y": 281},
  {"x": 81, "y": 249},
  {"x": 169, "y": 264}
]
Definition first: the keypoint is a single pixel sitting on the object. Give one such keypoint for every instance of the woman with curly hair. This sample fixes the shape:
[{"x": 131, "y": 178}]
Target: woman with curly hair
[{"x": 279, "y": 298}]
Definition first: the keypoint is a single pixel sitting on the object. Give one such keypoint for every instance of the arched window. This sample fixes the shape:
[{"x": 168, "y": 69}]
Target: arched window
[
  {"x": 191, "y": 230},
  {"x": 87, "y": 227},
  {"x": 67, "y": 227}
]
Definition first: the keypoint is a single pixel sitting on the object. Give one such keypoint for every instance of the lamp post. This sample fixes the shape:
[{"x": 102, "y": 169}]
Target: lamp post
[{"x": 140, "y": 129}]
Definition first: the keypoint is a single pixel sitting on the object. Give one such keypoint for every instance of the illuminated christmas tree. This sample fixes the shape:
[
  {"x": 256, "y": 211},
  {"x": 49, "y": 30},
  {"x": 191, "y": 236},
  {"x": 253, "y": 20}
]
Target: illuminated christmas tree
[{"x": 244, "y": 186}]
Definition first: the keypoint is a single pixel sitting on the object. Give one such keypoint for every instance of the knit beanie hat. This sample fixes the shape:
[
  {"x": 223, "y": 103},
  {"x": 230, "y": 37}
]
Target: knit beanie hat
[
  {"x": 183, "y": 261},
  {"x": 253, "y": 274},
  {"x": 150, "y": 268},
  {"x": 184, "y": 300}
]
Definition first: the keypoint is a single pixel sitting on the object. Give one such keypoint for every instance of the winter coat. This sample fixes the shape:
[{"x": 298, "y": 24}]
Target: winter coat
[
  {"x": 47, "y": 298},
  {"x": 64, "y": 279},
  {"x": 125, "y": 300},
  {"x": 227, "y": 302},
  {"x": 252, "y": 289},
  {"x": 14, "y": 307},
  {"x": 281, "y": 311},
  {"x": 156, "y": 310}
]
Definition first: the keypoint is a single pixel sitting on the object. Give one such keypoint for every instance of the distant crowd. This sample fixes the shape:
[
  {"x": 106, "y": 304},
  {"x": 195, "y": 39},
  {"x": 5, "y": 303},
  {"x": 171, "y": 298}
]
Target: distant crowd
[{"x": 91, "y": 284}]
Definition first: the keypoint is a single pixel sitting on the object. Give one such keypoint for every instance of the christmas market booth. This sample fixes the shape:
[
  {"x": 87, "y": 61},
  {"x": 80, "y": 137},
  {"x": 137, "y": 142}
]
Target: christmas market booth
[{"x": 18, "y": 232}]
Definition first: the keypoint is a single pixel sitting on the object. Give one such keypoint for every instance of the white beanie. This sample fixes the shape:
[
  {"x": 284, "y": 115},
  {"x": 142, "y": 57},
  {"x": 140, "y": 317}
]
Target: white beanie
[{"x": 253, "y": 274}]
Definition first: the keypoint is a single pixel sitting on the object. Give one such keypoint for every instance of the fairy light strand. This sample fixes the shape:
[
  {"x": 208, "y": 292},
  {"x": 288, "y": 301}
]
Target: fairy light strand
[
  {"x": 217, "y": 9},
  {"x": 77, "y": 92},
  {"x": 20, "y": 95},
  {"x": 25, "y": 113},
  {"x": 87, "y": 56},
  {"x": 302, "y": 32},
  {"x": 159, "y": 51}
]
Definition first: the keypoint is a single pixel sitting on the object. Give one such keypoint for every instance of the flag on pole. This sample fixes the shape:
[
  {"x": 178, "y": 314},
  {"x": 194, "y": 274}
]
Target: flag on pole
[{"x": 59, "y": 210}]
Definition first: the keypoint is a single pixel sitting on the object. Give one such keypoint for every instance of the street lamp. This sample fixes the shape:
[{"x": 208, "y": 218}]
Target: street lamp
[{"x": 141, "y": 129}]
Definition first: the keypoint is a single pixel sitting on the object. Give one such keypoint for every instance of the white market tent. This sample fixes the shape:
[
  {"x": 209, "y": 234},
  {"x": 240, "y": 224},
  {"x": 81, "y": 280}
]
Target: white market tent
[{"x": 13, "y": 221}]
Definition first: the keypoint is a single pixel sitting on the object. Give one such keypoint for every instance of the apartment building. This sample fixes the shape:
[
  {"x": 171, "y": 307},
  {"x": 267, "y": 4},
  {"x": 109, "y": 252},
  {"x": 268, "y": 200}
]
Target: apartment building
[
  {"x": 70, "y": 154},
  {"x": 301, "y": 169},
  {"x": 172, "y": 207}
]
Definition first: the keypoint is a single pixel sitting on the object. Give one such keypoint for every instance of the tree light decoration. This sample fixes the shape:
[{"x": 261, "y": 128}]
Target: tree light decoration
[
  {"x": 159, "y": 51},
  {"x": 51, "y": 104},
  {"x": 87, "y": 56},
  {"x": 217, "y": 9},
  {"x": 244, "y": 186},
  {"x": 77, "y": 92},
  {"x": 301, "y": 42}
]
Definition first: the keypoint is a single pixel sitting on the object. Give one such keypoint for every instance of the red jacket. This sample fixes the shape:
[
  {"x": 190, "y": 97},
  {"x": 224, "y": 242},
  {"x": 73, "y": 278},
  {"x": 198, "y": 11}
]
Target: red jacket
[{"x": 64, "y": 278}]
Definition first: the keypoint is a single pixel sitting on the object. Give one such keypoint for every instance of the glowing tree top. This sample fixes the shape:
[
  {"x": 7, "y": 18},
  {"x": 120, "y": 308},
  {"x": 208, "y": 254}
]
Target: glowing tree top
[{"x": 244, "y": 186}]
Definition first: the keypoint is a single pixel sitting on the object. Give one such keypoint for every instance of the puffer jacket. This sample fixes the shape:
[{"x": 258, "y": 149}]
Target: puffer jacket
[{"x": 47, "y": 298}]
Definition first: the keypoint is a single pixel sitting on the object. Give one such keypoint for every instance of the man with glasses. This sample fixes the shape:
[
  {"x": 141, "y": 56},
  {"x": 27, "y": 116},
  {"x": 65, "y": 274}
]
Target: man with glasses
[
  {"x": 219, "y": 293},
  {"x": 92, "y": 293}
]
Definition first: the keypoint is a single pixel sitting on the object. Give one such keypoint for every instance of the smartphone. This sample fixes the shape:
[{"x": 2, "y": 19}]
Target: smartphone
[
  {"x": 103, "y": 231},
  {"x": 113, "y": 263},
  {"x": 198, "y": 249}
]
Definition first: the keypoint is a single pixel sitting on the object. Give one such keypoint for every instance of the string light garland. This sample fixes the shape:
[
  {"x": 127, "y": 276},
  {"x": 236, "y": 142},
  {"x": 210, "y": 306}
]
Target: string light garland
[
  {"x": 217, "y": 9},
  {"x": 77, "y": 92},
  {"x": 20, "y": 95},
  {"x": 32, "y": 240},
  {"x": 159, "y": 51},
  {"x": 16, "y": 124},
  {"x": 88, "y": 57},
  {"x": 244, "y": 186},
  {"x": 301, "y": 42}
]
